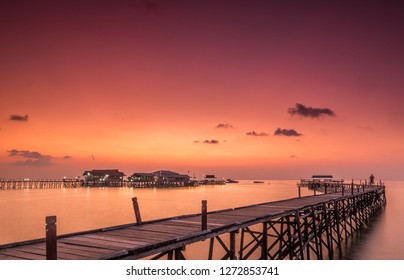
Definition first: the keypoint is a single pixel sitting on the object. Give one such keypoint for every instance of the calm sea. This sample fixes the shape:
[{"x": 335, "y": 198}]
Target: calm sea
[{"x": 23, "y": 212}]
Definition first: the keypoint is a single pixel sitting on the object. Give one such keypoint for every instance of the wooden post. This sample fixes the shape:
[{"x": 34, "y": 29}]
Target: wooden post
[
  {"x": 343, "y": 189},
  {"x": 232, "y": 252},
  {"x": 51, "y": 247},
  {"x": 328, "y": 232},
  {"x": 137, "y": 211},
  {"x": 300, "y": 194},
  {"x": 204, "y": 216},
  {"x": 325, "y": 188},
  {"x": 317, "y": 242},
  {"x": 337, "y": 223},
  {"x": 211, "y": 243},
  {"x": 352, "y": 185},
  {"x": 299, "y": 234},
  {"x": 264, "y": 242}
]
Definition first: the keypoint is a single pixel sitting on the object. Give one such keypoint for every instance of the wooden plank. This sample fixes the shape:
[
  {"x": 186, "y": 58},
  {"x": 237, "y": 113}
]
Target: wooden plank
[
  {"x": 23, "y": 255},
  {"x": 243, "y": 214},
  {"x": 87, "y": 242},
  {"x": 148, "y": 237},
  {"x": 144, "y": 232},
  {"x": 31, "y": 250},
  {"x": 167, "y": 229},
  {"x": 76, "y": 254},
  {"x": 108, "y": 238},
  {"x": 5, "y": 257},
  {"x": 88, "y": 252},
  {"x": 65, "y": 253},
  {"x": 107, "y": 243},
  {"x": 181, "y": 223},
  {"x": 225, "y": 219},
  {"x": 273, "y": 208},
  {"x": 188, "y": 223},
  {"x": 83, "y": 249},
  {"x": 71, "y": 256}
]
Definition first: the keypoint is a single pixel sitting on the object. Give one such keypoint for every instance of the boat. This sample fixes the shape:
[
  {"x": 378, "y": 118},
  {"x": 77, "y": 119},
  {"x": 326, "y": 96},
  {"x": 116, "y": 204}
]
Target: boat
[
  {"x": 231, "y": 181},
  {"x": 258, "y": 182}
]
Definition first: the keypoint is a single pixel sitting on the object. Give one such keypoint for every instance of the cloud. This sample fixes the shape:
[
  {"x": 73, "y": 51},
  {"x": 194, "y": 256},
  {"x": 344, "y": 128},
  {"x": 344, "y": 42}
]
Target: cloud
[
  {"x": 224, "y": 125},
  {"x": 310, "y": 112},
  {"x": 253, "y": 133},
  {"x": 92, "y": 157},
  {"x": 24, "y": 154},
  {"x": 293, "y": 156},
  {"x": 18, "y": 118},
  {"x": 207, "y": 141},
  {"x": 286, "y": 132},
  {"x": 45, "y": 161},
  {"x": 213, "y": 141},
  {"x": 31, "y": 158},
  {"x": 67, "y": 157}
]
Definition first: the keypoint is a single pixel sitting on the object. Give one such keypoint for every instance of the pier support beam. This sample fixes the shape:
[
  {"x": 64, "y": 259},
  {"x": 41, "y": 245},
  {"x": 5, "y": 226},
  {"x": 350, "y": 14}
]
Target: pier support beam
[
  {"x": 264, "y": 242},
  {"x": 230, "y": 251}
]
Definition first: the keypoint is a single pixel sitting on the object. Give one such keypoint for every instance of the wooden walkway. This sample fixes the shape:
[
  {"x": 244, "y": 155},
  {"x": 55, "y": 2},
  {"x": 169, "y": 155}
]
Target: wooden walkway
[{"x": 171, "y": 235}]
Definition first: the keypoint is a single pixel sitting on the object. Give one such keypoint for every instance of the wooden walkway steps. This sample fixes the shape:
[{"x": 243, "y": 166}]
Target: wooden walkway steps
[{"x": 171, "y": 235}]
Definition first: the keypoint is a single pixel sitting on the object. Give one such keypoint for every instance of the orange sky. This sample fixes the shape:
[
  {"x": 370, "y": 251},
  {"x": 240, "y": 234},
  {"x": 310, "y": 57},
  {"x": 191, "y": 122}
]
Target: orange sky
[{"x": 145, "y": 85}]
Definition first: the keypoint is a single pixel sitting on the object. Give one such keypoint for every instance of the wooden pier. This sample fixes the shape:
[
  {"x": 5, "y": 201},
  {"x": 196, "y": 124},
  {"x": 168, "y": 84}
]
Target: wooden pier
[
  {"x": 75, "y": 183},
  {"x": 39, "y": 184},
  {"x": 310, "y": 227}
]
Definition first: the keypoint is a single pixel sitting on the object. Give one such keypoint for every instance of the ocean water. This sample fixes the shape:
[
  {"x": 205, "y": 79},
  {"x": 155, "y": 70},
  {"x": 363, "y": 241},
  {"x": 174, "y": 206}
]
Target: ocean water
[{"x": 23, "y": 212}]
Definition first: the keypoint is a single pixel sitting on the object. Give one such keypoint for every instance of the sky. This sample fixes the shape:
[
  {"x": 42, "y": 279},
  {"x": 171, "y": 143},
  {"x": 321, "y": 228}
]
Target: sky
[{"x": 241, "y": 89}]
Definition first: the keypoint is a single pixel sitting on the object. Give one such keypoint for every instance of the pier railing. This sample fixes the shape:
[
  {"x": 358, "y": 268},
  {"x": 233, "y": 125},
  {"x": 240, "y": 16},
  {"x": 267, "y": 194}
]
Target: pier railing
[{"x": 336, "y": 186}]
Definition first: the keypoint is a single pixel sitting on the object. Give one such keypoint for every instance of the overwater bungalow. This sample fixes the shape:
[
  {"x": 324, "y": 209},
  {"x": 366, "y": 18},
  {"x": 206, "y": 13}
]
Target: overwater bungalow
[
  {"x": 160, "y": 178},
  {"x": 104, "y": 177}
]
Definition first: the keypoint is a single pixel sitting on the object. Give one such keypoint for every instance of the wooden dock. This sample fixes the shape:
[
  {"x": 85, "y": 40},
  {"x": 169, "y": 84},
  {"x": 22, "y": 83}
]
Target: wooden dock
[{"x": 311, "y": 227}]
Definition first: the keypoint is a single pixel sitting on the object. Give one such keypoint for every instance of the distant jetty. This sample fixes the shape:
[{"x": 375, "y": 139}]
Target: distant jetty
[
  {"x": 39, "y": 184},
  {"x": 115, "y": 178}
]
